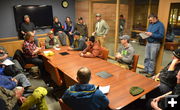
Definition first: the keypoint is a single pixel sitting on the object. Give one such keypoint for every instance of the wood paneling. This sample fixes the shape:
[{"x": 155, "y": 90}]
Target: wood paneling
[{"x": 163, "y": 14}]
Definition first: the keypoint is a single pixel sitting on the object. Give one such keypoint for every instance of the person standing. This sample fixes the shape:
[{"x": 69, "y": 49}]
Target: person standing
[
  {"x": 101, "y": 29},
  {"x": 82, "y": 28},
  {"x": 69, "y": 29},
  {"x": 28, "y": 26},
  {"x": 155, "y": 32},
  {"x": 58, "y": 31},
  {"x": 122, "y": 22}
]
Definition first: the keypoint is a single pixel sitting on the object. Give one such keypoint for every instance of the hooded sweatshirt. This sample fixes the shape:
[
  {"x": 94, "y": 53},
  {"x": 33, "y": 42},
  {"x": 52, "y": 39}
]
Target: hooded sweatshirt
[
  {"x": 127, "y": 53},
  {"x": 85, "y": 97}
]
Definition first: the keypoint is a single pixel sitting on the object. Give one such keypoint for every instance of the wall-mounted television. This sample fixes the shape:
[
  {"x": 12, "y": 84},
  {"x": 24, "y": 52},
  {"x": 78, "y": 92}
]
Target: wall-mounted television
[{"x": 40, "y": 15}]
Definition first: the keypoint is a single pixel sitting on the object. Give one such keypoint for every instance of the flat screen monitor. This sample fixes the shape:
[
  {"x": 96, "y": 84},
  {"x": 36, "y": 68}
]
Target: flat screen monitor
[{"x": 40, "y": 15}]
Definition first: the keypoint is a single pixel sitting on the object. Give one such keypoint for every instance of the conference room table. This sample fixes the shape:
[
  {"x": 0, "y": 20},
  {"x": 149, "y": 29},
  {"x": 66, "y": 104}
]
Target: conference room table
[{"x": 120, "y": 82}]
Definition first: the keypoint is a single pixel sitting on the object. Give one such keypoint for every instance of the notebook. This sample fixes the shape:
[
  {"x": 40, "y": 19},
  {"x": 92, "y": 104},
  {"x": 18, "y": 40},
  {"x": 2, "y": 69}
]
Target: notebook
[
  {"x": 104, "y": 74},
  {"x": 143, "y": 35},
  {"x": 104, "y": 89}
]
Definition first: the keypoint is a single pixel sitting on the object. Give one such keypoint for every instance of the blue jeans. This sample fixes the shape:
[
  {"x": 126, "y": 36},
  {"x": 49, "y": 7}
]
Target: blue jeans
[
  {"x": 151, "y": 52},
  {"x": 22, "y": 80}
]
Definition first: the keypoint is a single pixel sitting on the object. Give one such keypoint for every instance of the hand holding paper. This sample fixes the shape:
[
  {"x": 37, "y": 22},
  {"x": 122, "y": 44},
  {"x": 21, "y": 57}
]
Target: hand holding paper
[{"x": 144, "y": 35}]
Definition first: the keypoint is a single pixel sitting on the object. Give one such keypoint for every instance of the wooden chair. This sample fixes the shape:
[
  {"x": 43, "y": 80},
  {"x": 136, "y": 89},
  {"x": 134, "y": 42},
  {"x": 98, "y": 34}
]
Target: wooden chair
[
  {"x": 105, "y": 53},
  {"x": 135, "y": 62},
  {"x": 63, "y": 105},
  {"x": 42, "y": 44},
  {"x": 171, "y": 45},
  {"x": 53, "y": 71}
]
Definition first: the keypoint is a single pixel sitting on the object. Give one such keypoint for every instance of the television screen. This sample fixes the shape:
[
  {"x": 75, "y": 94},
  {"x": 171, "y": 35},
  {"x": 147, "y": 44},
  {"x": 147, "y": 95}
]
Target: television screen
[{"x": 40, "y": 15}]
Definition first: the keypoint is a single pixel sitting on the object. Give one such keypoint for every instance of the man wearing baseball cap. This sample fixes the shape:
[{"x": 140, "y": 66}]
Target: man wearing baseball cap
[
  {"x": 126, "y": 52},
  {"x": 51, "y": 41},
  {"x": 82, "y": 28},
  {"x": 101, "y": 29},
  {"x": 167, "y": 76}
]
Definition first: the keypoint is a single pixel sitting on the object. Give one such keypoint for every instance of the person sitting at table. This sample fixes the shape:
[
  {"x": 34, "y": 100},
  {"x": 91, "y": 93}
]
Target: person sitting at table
[
  {"x": 51, "y": 41},
  {"x": 167, "y": 76},
  {"x": 85, "y": 96},
  {"x": 79, "y": 43},
  {"x": 31, "y": 52},
  {"x": 158, "y": 103},
  {"x": 93, "y": 49},
  {"x": 126, "y": 52}
]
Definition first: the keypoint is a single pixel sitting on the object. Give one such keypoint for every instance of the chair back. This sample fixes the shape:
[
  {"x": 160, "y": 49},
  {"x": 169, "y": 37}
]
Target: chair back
[
  {"x": 105, "y": 53},
  {"x": 63, "y": 105},
  {"x": 53, "y": 71},
  {"x": 42, "y": 44},
  {"x": 18, "y": 55},
  {"x": 135, "y": 62}
]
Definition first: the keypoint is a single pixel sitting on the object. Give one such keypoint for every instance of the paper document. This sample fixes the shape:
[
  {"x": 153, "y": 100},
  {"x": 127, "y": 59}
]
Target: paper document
[
  {"x": 46, "y": 52},
  {"x": 104, "y": 89},
  {"x": 143, "y": 35},
  {"x": 7, "y": 62},
  {"x": 57, "y": 48}
]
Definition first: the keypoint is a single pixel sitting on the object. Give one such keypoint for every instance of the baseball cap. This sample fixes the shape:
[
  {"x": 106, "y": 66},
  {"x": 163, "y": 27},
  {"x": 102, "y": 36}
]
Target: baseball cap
[
  {"x": 124, "y": 37},
  {"x": 98, "y": 15},
  {"x": 176, "y": 53},
  {"x": 50, "y": 32},
  {"x": 80, "y": 18},
  {"x": 26, "y": 16}
]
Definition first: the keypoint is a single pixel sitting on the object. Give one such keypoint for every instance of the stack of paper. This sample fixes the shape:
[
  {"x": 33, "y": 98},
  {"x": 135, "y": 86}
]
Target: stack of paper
[
  {"x": 104, "y": 89},
  {"x": 7, "y": 62},
  {"x": 143, "y": 35}
]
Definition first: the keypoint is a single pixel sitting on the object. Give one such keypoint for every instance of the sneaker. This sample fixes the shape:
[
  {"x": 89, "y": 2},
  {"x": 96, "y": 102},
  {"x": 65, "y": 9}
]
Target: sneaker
[
  {"x": 143, "y": 72},
  {"x": 149, "y": 75}
]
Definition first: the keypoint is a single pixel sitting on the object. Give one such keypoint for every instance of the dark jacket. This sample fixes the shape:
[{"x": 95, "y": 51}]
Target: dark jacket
[
  {"x": 177, "y": 90},
  {"x": 157, "y": 30},
  {"x": 85, "y": 97},
  {"x": 79, "y": 45},
  {"x": 68, "y": 27},
  {"x": 82, "y": 28},
  {"x": 169, "y": 77},
  {"x": 57, "y": 27},
  {"x": 26, "y": 27},
  {"x": 6, "y": 82}
]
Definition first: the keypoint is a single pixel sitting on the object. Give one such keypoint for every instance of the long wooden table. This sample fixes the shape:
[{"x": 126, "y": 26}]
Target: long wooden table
[{"x": 120, "y": 83}]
